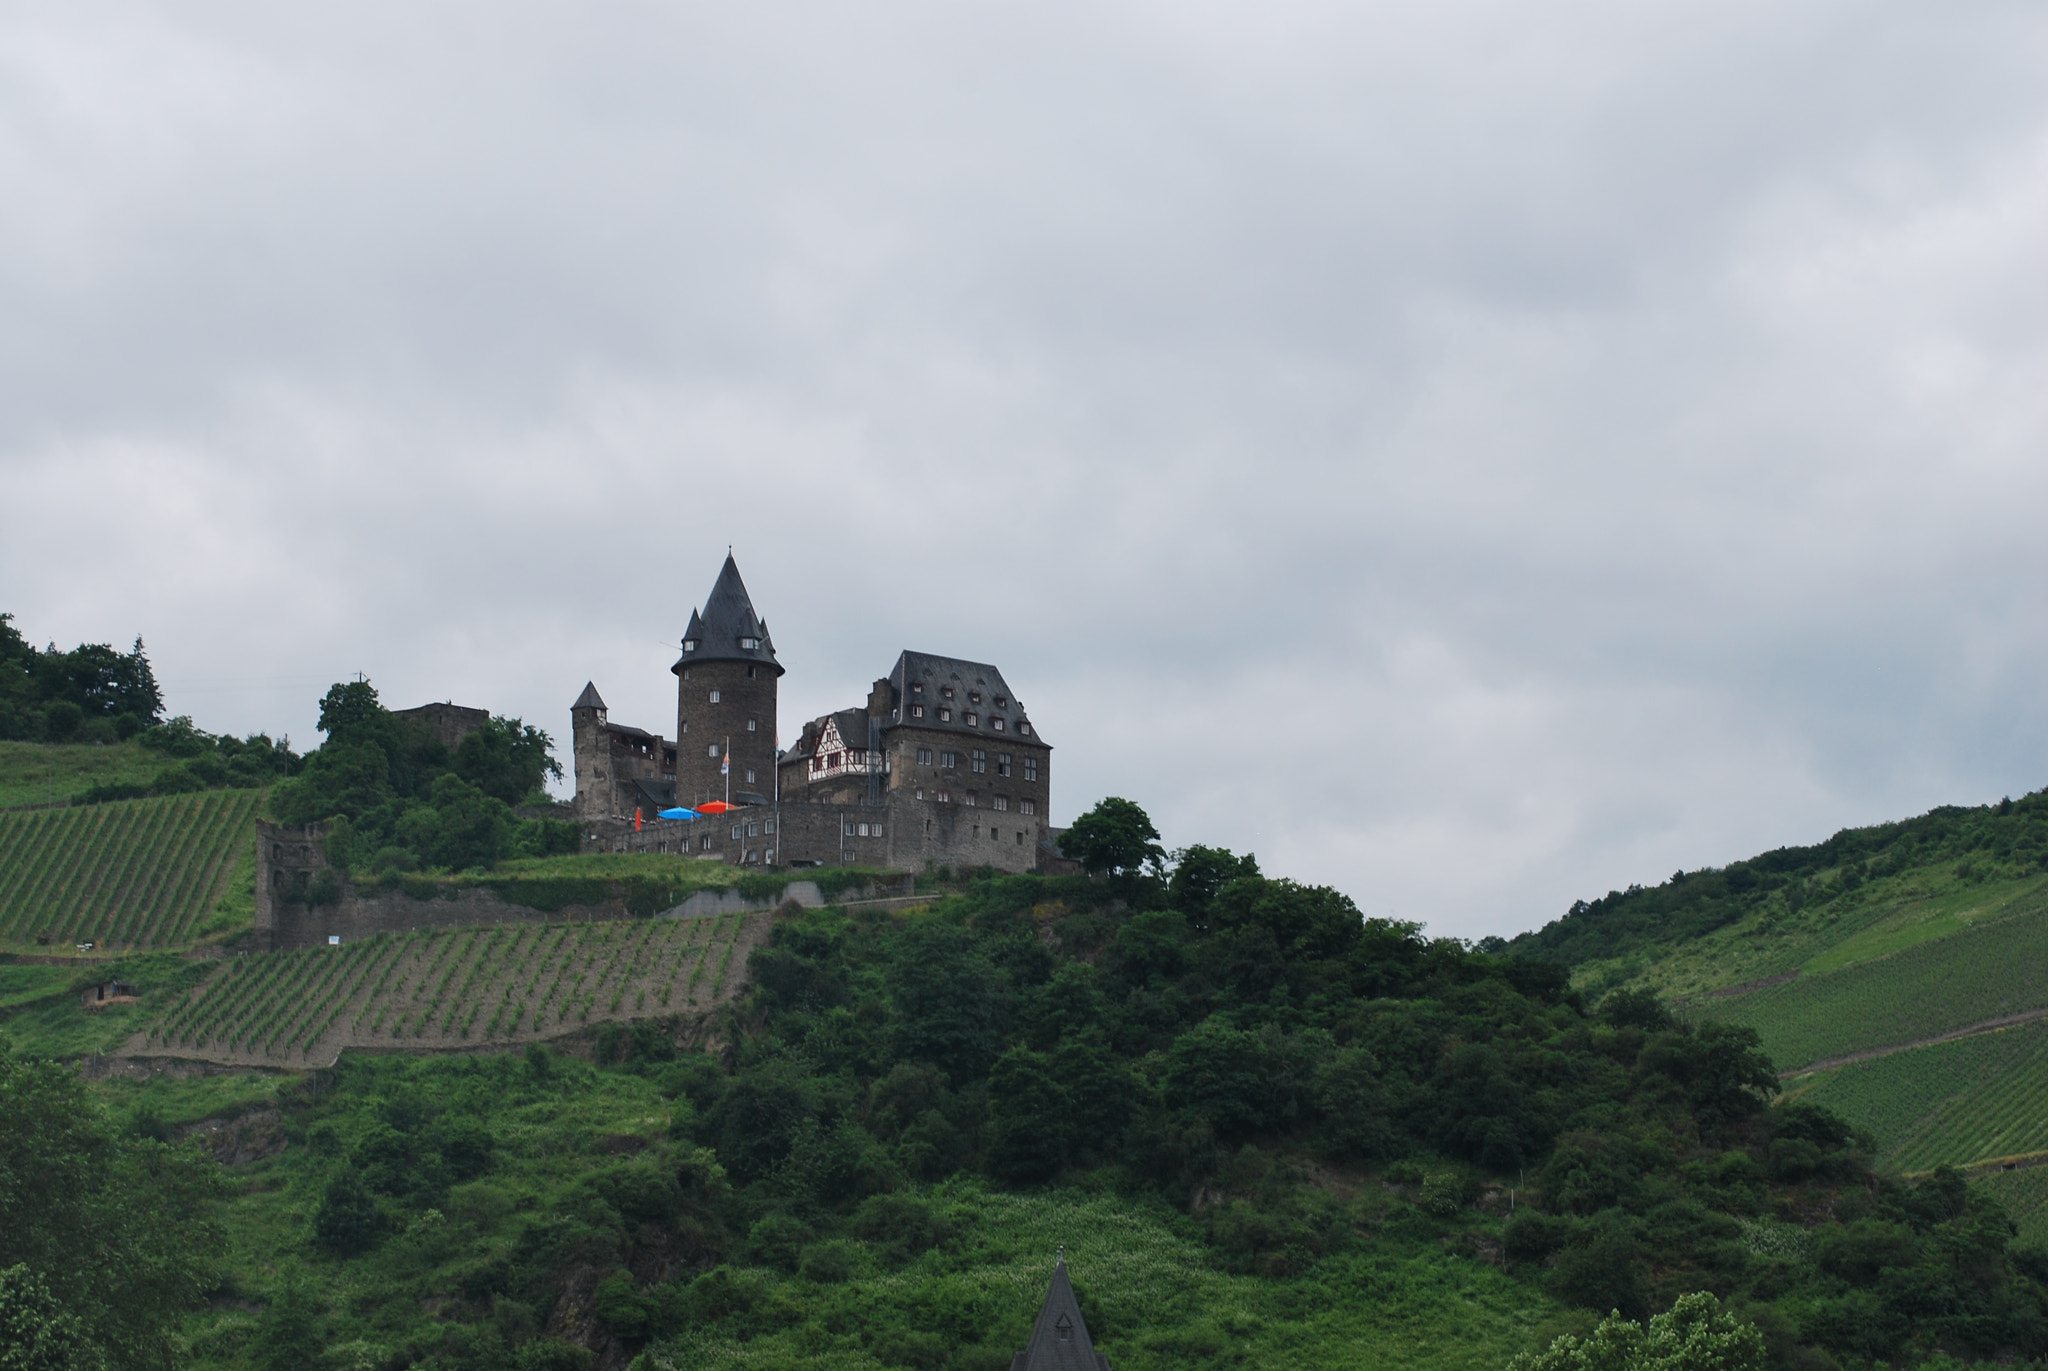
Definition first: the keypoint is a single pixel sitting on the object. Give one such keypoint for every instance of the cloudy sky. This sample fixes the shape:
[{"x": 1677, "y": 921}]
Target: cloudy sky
[{"x": 1473, "y": 454}]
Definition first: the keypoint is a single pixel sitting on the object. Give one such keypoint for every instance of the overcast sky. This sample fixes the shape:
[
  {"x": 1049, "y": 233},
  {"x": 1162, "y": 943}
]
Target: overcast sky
[{"x": 1473, "y": 454}]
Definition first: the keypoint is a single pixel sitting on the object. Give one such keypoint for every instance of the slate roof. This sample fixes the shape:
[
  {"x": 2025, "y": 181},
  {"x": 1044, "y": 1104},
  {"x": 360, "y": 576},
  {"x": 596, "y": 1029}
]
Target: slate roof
[
  {"x": 853, "y": 731},
  {"x": 1059, "y": 1340},
  {"x": 589, "y": 699},
  {"x": 728, "y": 616},
  {"x": 964, "y": 676}
]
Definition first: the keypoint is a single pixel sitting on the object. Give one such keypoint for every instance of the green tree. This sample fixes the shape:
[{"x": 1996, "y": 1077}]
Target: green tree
[
  {"x": 347, "y": 1220},
  {"x": 36, "y": 1332},
  {"x": 118, "y": 1230},
  {"x": 1115, "y": 837},
  {"x": 507, "y": 760},
  {"x": 1696, "y": 1335}
]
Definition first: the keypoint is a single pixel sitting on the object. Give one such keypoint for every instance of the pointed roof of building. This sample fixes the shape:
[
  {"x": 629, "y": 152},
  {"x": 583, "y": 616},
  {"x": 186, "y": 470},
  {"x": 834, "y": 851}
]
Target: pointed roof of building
[
  {"x": 589, "y": 699},
  {"x": 1059, "y": 1340},
  {"x": 727, "y": 629}
]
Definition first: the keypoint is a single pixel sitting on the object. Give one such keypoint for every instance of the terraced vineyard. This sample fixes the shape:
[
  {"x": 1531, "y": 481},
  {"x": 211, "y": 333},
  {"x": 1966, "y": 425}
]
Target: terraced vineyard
[
  {"x": 453, "y": 988},
  {"x": 2025, "y": 1197},
  {"x": 1984, "y": 972},
  {"x": 135, "y": 873},
  {"x": 1958, "y": 1102}
]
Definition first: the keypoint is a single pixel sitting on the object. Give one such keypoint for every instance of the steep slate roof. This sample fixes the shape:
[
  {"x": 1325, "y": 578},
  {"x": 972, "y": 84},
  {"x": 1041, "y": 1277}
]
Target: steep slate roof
[
  {"x": 728, "y": 616},
  {"x": 853, "y": 731},
  {"x": 1059, "y": 1340},
  {"x": 589, "y": 699},
  {"x": 963, "y": 676}
]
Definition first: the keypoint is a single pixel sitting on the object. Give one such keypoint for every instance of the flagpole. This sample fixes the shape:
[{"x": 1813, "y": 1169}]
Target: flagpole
[{"x": 727, "y": 768}]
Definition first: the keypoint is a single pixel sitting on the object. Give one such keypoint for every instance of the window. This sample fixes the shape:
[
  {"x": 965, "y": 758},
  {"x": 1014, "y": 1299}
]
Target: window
[
  {"x": 750, "y": 645},
  {"x": 980, "y": 760},
  {"x": 849, "y": 828},
  {"x": 769, "y": 856},
  {"x": 949, "y": 760},
  {"x": 704, "y": 843},
  {"x": 946, "y": 692},
  {"x": 1024, "y": 728},
  {"x": 1027, "y": 806},
  {"x": 945, "y": 797},
  {"x": 686, "y": 670},
  {"x": 917, "y": 687},
  {"x": 753, "y": 830},
  {"x": 972, "y": 718},
  {"x": 945, "y": 715},
  {"x": 973, "y": 798},
  {"x": 920, "y": 792},
  {"x": 998, "y": 723},
  {"x": 1031, "y": 768},
  {"x": 924, "y": 756},
  {"x": 1001, "y": 702},
  {"x": 1020, "y": 840},
  {"x": 684, "y": 727},
  {"x": 753, "y": 725},
  {"x": 736, "y": 830},
  {"x": 750, "y": 671},
  {"x": 711, "y": 751},
  {"x": 714, "y": 697},
  {"x": 750, "y": 778},
  {"x": 1002, "y": 764},
  {"x": 1000, "y": 802},
  {"x": 917, "y": 711},
  {"x": 875, "y": 830},
  {"x": 768, "y": 827},
  {"x": 974, "y": 697}
]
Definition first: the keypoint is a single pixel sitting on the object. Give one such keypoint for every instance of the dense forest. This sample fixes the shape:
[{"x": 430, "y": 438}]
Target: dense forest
[
  {"x": 1987, "y": 842},
  {"x": 91, "y": 694},
  {"x": 1285, "y": 1082}
]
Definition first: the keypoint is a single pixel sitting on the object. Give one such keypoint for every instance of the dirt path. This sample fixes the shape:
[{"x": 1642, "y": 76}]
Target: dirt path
[{"x": 1871, "y": 1054}]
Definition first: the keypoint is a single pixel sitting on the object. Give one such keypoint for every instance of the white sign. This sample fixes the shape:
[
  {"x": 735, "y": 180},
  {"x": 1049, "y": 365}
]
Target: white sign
[{"x": 334, "y": 940}]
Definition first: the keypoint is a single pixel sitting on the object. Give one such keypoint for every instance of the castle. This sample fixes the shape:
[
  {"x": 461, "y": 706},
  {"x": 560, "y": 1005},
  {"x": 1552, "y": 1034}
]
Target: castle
[{"x": 940, "y": 766}]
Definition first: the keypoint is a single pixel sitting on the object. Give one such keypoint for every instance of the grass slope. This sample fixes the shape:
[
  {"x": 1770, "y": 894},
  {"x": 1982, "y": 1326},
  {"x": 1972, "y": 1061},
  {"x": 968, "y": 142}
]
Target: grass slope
[
  {"x": 57, "y": 773},
  {"x": 567, "y": 1133},
  {"x": 135, "y": 873}
]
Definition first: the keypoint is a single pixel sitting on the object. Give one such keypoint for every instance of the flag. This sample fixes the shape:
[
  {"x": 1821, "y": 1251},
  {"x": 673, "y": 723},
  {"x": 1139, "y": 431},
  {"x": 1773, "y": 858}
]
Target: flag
[
  {"x": 725, "y": 764},
  {"x": 636, "y": 821}
]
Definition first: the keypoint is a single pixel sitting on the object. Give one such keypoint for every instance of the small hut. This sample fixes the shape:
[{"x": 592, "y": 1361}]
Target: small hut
[{"x": 106, "y": 993}]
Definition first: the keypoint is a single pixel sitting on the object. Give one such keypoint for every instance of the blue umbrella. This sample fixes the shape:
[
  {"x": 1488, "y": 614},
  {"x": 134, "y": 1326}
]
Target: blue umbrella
[{"x": 677, "y": 813}]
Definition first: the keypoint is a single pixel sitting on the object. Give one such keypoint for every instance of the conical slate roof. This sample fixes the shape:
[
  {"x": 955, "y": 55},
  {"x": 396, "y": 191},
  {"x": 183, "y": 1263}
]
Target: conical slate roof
[
  {"x": 727, "y": 630},
  {"x": 589, "y": 699},
  {"x": 1059, "y": 1340}
]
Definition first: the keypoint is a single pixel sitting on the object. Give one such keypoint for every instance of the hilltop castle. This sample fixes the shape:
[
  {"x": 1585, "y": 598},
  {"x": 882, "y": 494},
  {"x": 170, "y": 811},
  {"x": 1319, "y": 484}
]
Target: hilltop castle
[{"x": 940, "y": 766}]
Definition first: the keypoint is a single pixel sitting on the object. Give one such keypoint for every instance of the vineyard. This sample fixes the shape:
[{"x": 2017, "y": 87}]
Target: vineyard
[
  {"x": 454, "y": 988},
  {"x": 136, "y": 873},
  {"x": 1986, "y": 971},
  {"x": 1957, "y": 1102}
]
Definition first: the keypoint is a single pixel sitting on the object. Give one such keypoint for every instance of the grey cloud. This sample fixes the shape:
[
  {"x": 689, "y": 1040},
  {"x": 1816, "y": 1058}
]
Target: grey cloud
[{"x": 1474, "y": 456}]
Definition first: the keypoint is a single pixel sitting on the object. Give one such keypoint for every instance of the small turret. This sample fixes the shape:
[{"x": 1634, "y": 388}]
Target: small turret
[{"x": 1059, "y": 1340}]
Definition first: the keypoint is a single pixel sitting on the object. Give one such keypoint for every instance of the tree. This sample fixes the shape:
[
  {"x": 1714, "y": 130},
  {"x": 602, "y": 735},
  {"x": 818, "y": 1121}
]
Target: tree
[
  {"x": 118, "y": 1230},
  {"x": 347, "y": 1220},
  {"x": 1115, "y": 837},
  {"x": 507, "y": 760},
  {"x": 1199, "y": 872},
  {"x": 1696, "y": 1335},
  {"x": 36, "y": 1332}
]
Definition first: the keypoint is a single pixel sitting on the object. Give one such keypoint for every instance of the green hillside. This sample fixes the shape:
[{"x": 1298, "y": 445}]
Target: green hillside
[
  {"x": 132, "y": 873},
  {"x": 1893, "y": 972},
  {"x": 54, "y": 773}
]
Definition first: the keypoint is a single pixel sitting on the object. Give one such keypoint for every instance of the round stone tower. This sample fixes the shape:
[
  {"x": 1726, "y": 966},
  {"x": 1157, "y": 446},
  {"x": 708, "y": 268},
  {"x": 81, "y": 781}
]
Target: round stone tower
[{"x": 725, "y": 699}]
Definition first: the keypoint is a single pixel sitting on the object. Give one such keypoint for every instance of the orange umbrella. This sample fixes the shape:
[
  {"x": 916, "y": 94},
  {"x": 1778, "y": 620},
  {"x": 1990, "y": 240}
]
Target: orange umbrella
[{"x": 715, "y": 807}]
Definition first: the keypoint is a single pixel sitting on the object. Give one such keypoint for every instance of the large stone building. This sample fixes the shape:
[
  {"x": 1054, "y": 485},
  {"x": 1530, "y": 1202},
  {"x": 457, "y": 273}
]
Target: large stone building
[{"x": 939, "y": 766}]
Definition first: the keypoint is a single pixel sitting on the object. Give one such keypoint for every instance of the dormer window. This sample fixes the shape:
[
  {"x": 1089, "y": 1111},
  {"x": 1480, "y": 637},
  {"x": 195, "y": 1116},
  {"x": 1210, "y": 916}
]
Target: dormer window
[
  {"x": 974, "y": 697},
  {"x": 1024, "y": 728},
  {"x": 997, "y": 723},
  {"x": 1001, "y": 702},
  {"x": 972, "y": 719},
  {"x": 917, "y": 711},
  {"x": 689, "y": 644},
  {"x": 917, "y": 687},
  {"x": 946, "y": 691},
  {"x": 945, "y": 715},
  {"x": 750, "y": 644}
]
